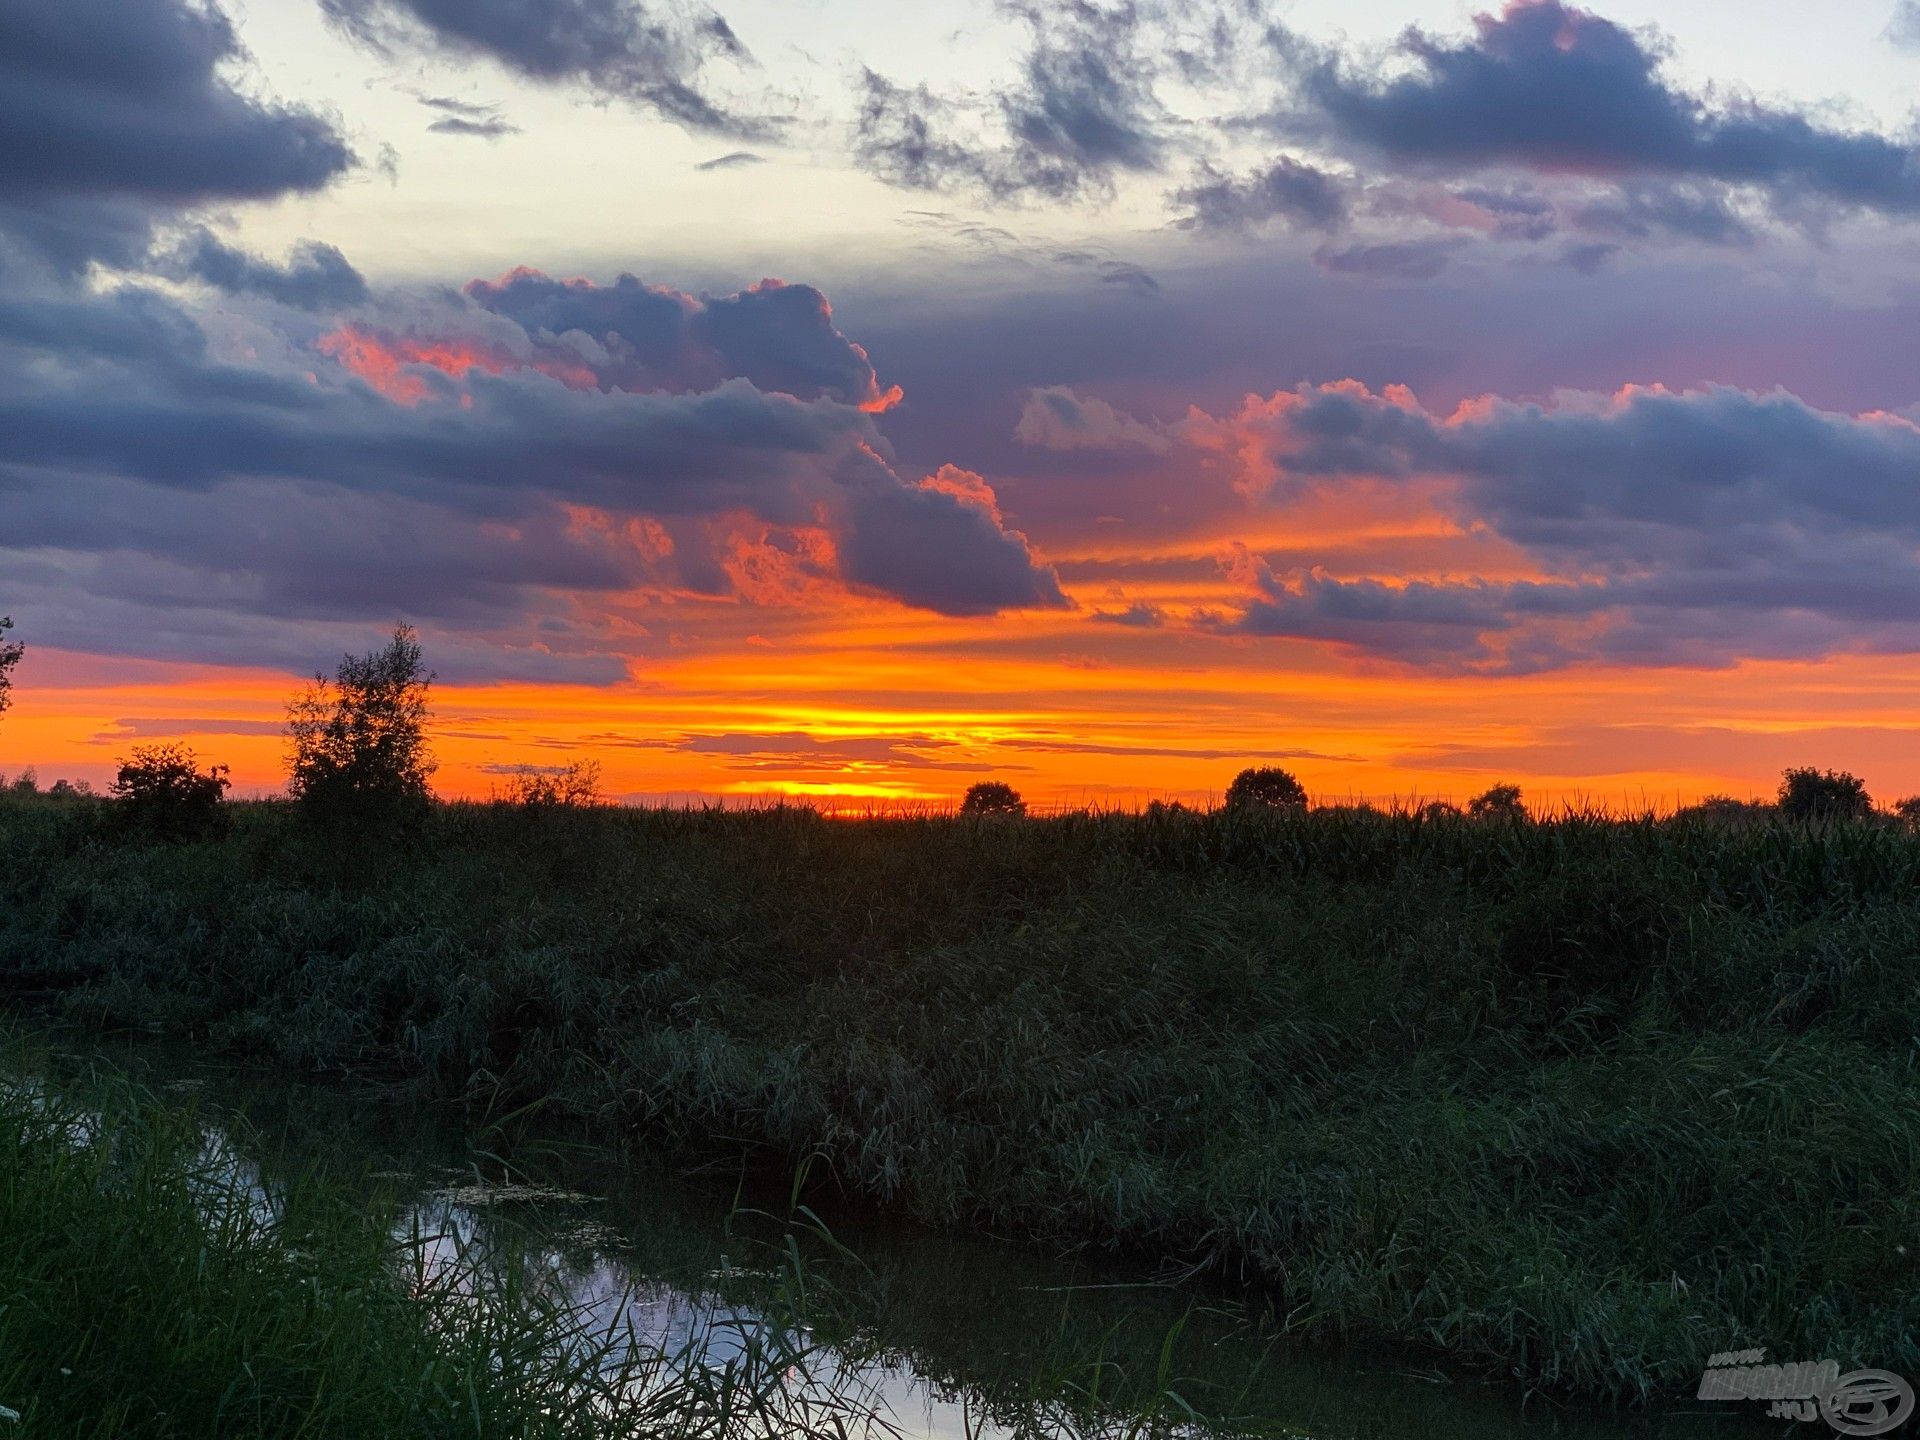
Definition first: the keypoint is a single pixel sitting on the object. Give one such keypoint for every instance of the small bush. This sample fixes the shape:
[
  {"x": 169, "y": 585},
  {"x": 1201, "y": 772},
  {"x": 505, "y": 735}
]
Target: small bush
[
  {"x": 1809, "y": 794},
  {"x": 992, "y": 797},
  {"x": 163, "y": 794},
  {"x": 1267, "y": 788}
]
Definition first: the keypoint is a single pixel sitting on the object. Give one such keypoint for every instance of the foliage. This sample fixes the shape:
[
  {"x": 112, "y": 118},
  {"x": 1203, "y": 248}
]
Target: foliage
[
  {"x": 1809, "y": 794},
  {"x": 10, "y": 653},
  {"x": 1908, "y": 810},
  {"x": 1267, "y": 787},
  {"x": 575, "y": 786},
  {"x": 155, "y": 1289},
  {"x": 1408, "y": 1070},
  {"x": 163, "y": 794},
  {"x": 359, "y": 763},
  {"x": 992, "y": 797},
  {"x": 1500, "y": 802}
]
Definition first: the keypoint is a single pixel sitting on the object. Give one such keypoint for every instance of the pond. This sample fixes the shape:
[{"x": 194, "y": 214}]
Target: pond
[{"x": 922, "y": 1334}]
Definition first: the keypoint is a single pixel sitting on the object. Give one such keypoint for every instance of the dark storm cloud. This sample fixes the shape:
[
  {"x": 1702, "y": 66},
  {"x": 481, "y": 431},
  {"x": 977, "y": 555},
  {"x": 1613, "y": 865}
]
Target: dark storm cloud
[
  {"x": 1556, "y": 89},
  {"x": 646, "y": 337},
  {"x": 316, "y": 277},
  {"x": 116, "y": 117},
  {"x": 1083, "y": 111},
  {"x": 1304, "y": 196},
  {"x": 651, "y": 53},
  {"x": 1691, "y": 528}
]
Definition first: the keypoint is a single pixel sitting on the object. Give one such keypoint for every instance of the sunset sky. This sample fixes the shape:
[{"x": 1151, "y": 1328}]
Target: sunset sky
[{"x": 853, "y": 399}]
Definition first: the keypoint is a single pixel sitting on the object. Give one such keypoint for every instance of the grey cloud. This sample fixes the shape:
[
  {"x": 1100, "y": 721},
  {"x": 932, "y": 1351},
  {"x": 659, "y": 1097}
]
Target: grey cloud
[
  {"x": 1388, "y": 260},
  {"x": 779, "y": 336},
  {"x": 117, "y": 117},
  {"x": 1559, "y": 90},
  {"x": 1692, "y": 528},
  {"x": 651, "y": 53},
  {"x": 1304, "y": 196},
  {"x": 316, "y": 277},
  {"x": 734, "y": 160},
  {"x": 1083, "y": 111}
]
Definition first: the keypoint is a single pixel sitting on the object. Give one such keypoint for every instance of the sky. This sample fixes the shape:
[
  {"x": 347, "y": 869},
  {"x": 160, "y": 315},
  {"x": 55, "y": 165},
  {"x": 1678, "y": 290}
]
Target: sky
[{"x": 850, "y": 400}]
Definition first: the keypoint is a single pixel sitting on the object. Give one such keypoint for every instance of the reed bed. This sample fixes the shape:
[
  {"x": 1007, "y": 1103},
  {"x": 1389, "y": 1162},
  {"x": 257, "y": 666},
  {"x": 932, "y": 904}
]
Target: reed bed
[{"x": 1579, "y": 1100}]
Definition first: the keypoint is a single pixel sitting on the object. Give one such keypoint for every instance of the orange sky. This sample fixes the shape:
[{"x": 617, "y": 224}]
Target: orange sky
[{"x": 876, "y": 702}]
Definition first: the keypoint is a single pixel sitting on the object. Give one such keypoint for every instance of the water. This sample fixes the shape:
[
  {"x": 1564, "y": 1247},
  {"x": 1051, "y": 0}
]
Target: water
[{"x": 939, "y": 1335}]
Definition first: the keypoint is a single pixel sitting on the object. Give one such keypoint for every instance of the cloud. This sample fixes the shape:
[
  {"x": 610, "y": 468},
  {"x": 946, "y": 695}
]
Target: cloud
[
  {"x": 650, "y": 53},
  {"x": 466, "y": 117},
  {"x": 118, "y": 117},
  {"x": 1665, "y": 528},
  {"x": 1055, "y": 418},
  {"x": 647, "y": 337},
  {"x": 733, "y": 160},
  {"x": 789, "y": 751},
  {"x": 316, "y": 277},
  {"x": 241, "y": 498},
  {"x": 1558, "y": 90},
  {"x": 1388, "y": 260},
  {"x": 1304, "y": 196},
  {"x": 1903, "y": 30},
  {"x": 1082, "y": 112}
]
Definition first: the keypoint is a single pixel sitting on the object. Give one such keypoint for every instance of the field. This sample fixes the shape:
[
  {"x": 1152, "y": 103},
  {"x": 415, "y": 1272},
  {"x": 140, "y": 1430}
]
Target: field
[{"x": 1581, "y": 1101}]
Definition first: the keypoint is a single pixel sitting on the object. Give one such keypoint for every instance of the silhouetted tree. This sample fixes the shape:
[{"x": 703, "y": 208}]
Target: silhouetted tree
[
  {"x": 992, "y": 797},
  {"x": 1908, "y": 810},
  {"x": 1438, "y": 810},
  {"x": 1500, "y": 802},
  {"x": 1267, "y": 788},
  {"x": 576, "y": 786},
  {"x": 358, "y": 755},
  {"x": 163, "y": 794},
  {"x": 10, "y": 653},
  {"x": 1809, "y": 794}
]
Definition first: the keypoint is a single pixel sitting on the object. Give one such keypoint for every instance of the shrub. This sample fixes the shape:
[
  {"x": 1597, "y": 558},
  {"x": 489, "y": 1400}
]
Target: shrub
[
  {"x": 1809, "y": 794},
  {"x": 575, "y": 786},
  {"x": 163, "y": 794},
  {"x": 1500, "y": 802},
  {"x": 359, "y": 761},
  {"x": 1268, "y": 788},
  {"x": 992, "y": 797},
  {"x": 1908, "y": 811}
]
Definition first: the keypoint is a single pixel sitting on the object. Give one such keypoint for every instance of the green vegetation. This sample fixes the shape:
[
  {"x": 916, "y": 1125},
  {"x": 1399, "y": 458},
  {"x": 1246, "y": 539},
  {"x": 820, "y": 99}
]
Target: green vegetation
[
  {"x": 1582, "y": 1099},
  {"x": 164, "y": 795},
  {"x": 359, "y": 765},
  {"x": 156, "y": 1285}
]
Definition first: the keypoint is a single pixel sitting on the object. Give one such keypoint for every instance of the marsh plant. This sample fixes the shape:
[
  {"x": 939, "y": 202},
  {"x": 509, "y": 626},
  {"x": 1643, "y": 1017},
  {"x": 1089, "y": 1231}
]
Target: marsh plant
[{"x": 1582, "y": 1100}]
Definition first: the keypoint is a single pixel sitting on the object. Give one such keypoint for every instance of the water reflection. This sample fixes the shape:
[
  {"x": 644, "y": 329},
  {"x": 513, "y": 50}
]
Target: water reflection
[{"x": 879, "y": 1329}]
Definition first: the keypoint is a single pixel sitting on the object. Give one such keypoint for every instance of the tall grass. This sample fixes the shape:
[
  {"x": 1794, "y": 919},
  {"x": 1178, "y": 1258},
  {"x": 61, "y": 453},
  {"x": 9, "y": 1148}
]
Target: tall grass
[
  {"x": 1582, "y": 1101},
  {"x": 151, "y": 1285}
]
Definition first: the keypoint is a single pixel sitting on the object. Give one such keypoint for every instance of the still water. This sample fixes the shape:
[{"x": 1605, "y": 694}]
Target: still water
[{"x": 933, "y": 1335}]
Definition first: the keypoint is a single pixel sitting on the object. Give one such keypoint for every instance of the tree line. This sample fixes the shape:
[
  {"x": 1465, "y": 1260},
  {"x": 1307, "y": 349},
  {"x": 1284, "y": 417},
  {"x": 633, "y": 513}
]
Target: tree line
[{"x": 359, "y": 763}]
